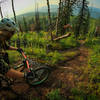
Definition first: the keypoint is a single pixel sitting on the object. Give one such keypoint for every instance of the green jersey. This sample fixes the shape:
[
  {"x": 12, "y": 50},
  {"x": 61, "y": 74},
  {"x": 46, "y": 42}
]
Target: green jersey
[
  {"x": 4, "y": 67},
  {"x": 3, "y": 46}
]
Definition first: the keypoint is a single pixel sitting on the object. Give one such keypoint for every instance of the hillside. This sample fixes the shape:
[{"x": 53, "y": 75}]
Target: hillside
[{"x": 95, "y": 12}]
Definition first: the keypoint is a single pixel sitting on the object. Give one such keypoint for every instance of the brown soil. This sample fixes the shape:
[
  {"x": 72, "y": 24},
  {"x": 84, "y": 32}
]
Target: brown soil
[{"x": 65, "y": 77}]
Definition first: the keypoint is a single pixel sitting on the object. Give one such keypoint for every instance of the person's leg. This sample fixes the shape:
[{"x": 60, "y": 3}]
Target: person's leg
[
  {"x": 9, "y": 72},
  {"x": 6, "y": 57},
  {"x": 14, "y": 74}
]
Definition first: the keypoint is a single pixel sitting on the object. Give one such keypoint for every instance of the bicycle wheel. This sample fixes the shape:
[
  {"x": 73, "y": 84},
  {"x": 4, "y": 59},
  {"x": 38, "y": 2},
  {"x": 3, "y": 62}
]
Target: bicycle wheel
[{"x": 41, "y": 75}]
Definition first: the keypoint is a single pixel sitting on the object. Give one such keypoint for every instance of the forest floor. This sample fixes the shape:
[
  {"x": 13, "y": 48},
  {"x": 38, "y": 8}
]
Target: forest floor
[{"x": 65, "y": 77}]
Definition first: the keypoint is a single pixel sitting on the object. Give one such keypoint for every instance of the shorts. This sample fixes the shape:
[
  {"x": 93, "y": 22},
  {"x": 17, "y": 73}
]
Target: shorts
[{"x": 4, "y": 67}]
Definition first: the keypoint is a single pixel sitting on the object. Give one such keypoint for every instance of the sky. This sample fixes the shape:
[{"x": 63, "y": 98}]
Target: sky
[
  {"x": 22, "y": 6},
  {"x": 95, "y": 3}
]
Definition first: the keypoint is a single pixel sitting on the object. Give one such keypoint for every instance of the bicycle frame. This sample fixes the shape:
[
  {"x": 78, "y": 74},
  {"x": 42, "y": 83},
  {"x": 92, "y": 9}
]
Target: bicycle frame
[
  {"x": 37, "y": 77},
  {"x": 26, "y": 62}
]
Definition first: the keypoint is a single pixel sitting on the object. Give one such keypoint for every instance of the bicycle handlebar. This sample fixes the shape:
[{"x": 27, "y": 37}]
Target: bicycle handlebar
[{"x": 19, "y": 50}]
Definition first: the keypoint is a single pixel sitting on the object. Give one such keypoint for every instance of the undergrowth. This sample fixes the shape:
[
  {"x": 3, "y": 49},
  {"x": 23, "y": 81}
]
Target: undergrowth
[
  {"x": 91, "y": 89},
  {"x": 78, "y": 94},
  {"x": 55, "y": 95},
  {"x": 38, "y": 46}
]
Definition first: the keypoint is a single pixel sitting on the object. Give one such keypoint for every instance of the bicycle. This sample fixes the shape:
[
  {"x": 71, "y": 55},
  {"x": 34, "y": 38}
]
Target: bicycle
[{"x": 39, "y": 75}]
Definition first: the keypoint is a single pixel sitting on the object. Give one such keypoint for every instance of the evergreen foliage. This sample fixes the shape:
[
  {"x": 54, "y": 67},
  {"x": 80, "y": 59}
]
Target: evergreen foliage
[{"x": 82, "y": 20}]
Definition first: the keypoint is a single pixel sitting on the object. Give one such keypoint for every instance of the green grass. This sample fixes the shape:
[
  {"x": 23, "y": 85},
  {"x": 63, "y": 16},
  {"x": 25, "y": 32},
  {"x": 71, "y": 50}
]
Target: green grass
[
  {"x": 37, "y": 47},
  {"x": 70, "y": 54},
  {"x": 55, "y": 95},
  {"x": 14, "y": 56},
  {"x": 69, "y": 42},
  {"x": 92, "y": 88},
  {"x": 54, "y": 57},
  {"x": 78, "y": 94}
]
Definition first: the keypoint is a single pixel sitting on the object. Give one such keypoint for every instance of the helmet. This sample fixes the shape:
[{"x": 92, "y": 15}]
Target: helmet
[{"x": 8, "y": 24}]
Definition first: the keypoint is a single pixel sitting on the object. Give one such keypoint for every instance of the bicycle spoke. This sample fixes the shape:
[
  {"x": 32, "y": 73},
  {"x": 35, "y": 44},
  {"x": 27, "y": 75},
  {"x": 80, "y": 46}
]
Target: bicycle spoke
[
  {"x": 41, "y": 74},
  {"x": 39, "y": 79}
]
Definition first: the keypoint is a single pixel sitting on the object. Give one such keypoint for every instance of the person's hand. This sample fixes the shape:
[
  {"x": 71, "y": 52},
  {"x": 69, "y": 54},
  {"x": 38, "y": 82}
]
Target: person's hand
[{"x": 19, "y": 50}]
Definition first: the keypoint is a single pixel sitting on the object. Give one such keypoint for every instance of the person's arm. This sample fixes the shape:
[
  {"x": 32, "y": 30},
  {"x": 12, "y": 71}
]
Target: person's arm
[
  {"x": 12, "y": 48},
  {"x": 17, "y": 49},
  {"x": 8, "y": 47}
]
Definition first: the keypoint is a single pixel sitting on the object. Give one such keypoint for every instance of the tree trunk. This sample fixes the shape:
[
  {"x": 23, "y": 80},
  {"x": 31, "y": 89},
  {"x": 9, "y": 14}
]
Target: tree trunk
[
  {"x": 62, "y": 37},
  {"x": 37, "y": 20},
  {"x": 20, "y": 27},
  {"x": 1, "y": 12},
  {"x": 57, "y": 22},
  {"x": 49, "y": 19},
  {"x": 80, "y": 19},
  {"x": 25, "y": 24},
  {"x": 13, "y": 11}
]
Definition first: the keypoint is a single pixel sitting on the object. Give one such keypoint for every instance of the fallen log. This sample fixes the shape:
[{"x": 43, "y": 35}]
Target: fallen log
[{"x": 62, "y": 37}]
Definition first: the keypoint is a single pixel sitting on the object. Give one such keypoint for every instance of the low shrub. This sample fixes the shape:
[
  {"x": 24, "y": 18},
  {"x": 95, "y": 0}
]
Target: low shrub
[{"x": 69, "y": 42}]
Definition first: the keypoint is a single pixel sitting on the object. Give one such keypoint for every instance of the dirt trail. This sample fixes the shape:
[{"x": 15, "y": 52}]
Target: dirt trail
[
  {"x": 70, "y": 73},
  {"x": 64, "y": 77}
]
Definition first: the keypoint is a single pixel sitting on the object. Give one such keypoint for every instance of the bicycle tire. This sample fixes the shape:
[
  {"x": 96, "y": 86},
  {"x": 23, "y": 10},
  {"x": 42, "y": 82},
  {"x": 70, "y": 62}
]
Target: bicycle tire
[{"x": 45, "y": 77}]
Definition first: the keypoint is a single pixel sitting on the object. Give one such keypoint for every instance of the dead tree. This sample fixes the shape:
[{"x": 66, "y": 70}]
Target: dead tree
[
  {"x": 49, "y": 19},
  {"x": 37, "y": 20},
  {"x": 62, "y": 37},
  {"x": 25, "y": 24},
  {"x": 1, "y": 12},
  {"x": 58, "y": 17},
  {"x": 13, "y": 10},
  {"x": 18, "y": 39},
  {"x": 20, "y": 27}
]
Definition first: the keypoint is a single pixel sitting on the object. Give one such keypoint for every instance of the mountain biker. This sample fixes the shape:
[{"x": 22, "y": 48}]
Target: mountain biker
[{"x": 7, "y": 30}]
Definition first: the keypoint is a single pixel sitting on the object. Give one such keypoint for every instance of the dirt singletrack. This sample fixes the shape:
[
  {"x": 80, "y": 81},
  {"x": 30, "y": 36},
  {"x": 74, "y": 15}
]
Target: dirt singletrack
[{"x": 65, "y": 77}]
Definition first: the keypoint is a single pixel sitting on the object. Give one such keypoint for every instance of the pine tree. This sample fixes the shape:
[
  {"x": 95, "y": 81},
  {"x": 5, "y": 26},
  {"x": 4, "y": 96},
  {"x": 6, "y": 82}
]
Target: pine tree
[
  {"x": 82, "y": 21},
  {"x": 25, "y": 24},
  {"x": 37, "y": 20},
  {"x": 64, "y": 13}
]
